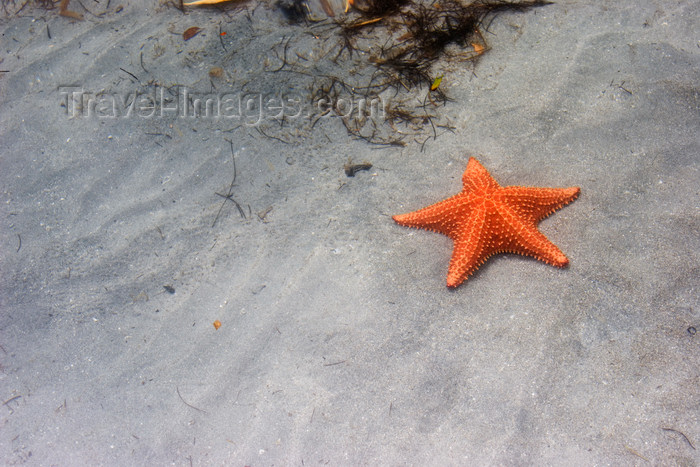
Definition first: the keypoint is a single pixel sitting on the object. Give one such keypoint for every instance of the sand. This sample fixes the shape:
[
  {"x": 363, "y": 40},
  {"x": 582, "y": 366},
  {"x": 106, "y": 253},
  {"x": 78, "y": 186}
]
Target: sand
[{"x": 339, "y": 342}]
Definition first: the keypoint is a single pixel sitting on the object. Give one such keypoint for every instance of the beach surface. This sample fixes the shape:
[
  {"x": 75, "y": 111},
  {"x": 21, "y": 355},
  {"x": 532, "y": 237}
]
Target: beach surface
[{"x": 183, "y": 288}]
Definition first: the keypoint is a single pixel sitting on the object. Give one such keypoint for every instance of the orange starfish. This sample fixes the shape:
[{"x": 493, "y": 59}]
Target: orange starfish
[{"x": 485, "y": 219}]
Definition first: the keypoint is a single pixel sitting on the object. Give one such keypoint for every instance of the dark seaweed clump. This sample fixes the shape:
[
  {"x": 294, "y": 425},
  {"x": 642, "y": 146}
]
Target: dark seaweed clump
[
  {"x": 398, "y": 49},
  {"x": 416, "y": 35}
]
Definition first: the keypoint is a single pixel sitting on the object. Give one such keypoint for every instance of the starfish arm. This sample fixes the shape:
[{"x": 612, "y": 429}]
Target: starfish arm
[
  {"x": 477, "y": 179},
  {"x": 522, "y": 237},
  {"x": 471, "y": 249},
  {"x": 534, "y": 204},
  {"x": 438, "y": 217}
]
